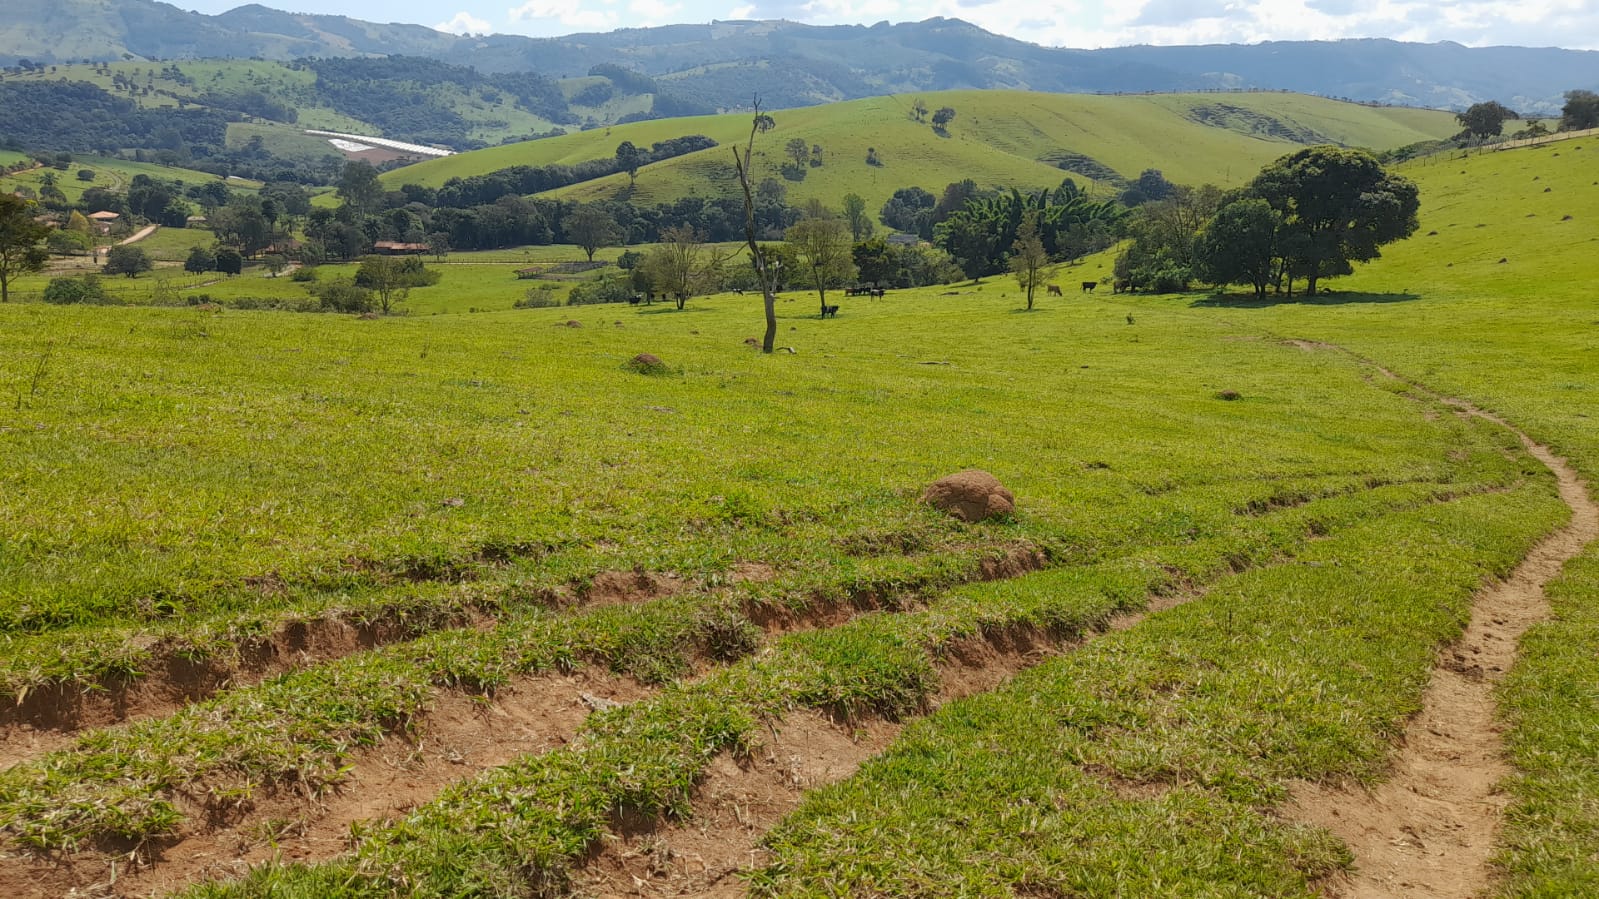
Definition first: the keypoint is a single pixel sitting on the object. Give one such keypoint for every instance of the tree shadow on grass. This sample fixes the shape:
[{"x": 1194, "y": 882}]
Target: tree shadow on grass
[
  {"x": 1325, "y": 298},
  {"x": 661, "y": 309}
]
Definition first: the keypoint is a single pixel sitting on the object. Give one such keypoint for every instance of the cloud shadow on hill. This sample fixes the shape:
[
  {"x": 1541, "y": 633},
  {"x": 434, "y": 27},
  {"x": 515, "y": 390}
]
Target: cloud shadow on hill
[{"x": 1325, "y": 298}]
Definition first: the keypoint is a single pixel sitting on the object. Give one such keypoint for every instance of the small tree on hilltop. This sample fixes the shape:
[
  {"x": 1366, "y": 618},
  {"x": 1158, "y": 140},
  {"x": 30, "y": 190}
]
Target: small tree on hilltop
[
  {"x": 942, "y": 118},
  {"x": 124, "y": 259},
  {"x": 1028, "y": 258},
  {"x": 628, "y": 159},
  {"x": 1483, "y": 120},
  {"x": 20, "y": 239},
  {"x": 919, "y": 110},
  {"x": 822, "y": 245}
]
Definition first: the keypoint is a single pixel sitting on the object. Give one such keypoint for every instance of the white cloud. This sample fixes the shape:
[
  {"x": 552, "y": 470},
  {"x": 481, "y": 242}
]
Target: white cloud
[
  {"x": 465, "y": 23},
  {"x": 1097, "y": 23},
  {"x": 654, "y": 12},
  {"x": 560, "y": 17}
]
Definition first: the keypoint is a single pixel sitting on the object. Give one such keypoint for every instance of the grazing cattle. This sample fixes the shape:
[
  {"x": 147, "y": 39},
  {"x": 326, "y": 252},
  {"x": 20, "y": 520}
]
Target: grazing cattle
[
  {"x": 1122, "y": 286},
  {"x": 829, "y": 310},
  {"x": 1052, "y": 289},
  {"x": 739, "y": 291},
  {"x": 877, "y": 293},
  {"x": 1088, "y": 286},
  {"x": 635, "y": 299}
]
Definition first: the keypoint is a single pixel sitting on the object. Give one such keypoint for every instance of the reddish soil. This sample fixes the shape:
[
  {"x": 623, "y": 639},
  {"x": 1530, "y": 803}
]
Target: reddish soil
[
  {"x": 50, "y": 717},
  {"x": 741, "y": 799},
  {"x": 458, "y": 738}
]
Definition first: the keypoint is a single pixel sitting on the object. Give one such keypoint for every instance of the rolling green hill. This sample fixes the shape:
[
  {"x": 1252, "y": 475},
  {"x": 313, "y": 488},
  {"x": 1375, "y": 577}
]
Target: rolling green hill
[
  {"x": 997, "y": 138},
  {"x": 112, "y": 174}
]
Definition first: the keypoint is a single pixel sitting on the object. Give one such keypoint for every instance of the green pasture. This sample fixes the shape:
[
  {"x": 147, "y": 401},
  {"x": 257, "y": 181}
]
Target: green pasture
[
  {"x": 478, "y": 281},
  {"x": 998, "y": 138},
  {"x": 189, "y": 477},
  {"x": 289, "y": 141},
  {"x": 174, "y": 244},
  {"x": 511, "y": 452},
  {"x": 484, "y": 390},
  {"x": 111, "y": 174}
]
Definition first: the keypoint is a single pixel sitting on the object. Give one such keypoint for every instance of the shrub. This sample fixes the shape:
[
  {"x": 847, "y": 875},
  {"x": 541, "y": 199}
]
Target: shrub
[
  {"x": 605, "y": 290},
  {"x": 343, "y": 295},
  {"x": 540, "y": 297},
  {"x": 304, "y": 274},
  {"x": 70, "y": 291}
]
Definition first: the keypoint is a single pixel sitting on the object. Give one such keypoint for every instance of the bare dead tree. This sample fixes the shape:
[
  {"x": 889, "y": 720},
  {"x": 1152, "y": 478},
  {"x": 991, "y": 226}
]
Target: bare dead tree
[{"x": 761, "y": 124}]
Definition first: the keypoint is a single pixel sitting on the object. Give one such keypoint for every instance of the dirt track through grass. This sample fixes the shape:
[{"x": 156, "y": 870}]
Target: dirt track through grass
[
  {"x": 461, "y": 735},
  {"x": 738, "y": 800},
  {"x": 1430, "y": 829}
]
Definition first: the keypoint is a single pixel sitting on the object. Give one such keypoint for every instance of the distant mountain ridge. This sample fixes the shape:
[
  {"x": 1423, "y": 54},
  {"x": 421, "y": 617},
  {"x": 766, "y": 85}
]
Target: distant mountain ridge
[{"x": 721, "y": 63}]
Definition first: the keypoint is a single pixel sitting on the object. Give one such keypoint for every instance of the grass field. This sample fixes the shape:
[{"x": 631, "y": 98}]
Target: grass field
[
  {"x": 997, "y": 138},
  {"x": 469, "y": 281},
  {"x": 494, "y": 504},
  {"x": 1495, "y": 306},
  {"x": 112, "y": 174}
]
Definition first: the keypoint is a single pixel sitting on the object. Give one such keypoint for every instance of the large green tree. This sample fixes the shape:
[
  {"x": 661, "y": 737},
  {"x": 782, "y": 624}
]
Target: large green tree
[
  {"x": 1581, "y": 111},
  {"x": 1239, "y": 245},
  {"x": 1338, "y": 206},
  {"x": 20, "y": 242},
  {"x": 390, "y": 278},
  {"x": 360, "y": 189},
  {"x": 126, "y": 259},
  {"x": 591, "y": 227},
  {"x": 1485, "y": 119}
]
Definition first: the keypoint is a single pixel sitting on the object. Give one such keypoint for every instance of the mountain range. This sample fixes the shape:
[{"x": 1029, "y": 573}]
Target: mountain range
[{"x": 720, "y": 64}]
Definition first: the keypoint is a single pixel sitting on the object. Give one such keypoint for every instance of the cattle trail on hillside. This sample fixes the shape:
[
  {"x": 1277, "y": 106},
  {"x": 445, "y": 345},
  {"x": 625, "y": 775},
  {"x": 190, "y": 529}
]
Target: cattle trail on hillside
[{"x": 1430, "y": 829}]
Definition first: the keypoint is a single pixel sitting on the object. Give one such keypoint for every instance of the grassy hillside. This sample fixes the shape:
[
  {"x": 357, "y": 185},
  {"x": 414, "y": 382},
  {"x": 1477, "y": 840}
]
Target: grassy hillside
[
  {"x": 478, "y": 112},
  {"x": 997, "y": 138},
  {"x": 113, "y": 174},
  {"x": 1493, "y": 300},
  {"x": 463, "y": 493}
]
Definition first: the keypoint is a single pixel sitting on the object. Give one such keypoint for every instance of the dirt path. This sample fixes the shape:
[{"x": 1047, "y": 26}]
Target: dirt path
[
  {"x": 735, "y": 805},
  {"x": 459, "y": 736},
  {"x": 1429, "y": 831},
  {"x": 139, "y": 235}
]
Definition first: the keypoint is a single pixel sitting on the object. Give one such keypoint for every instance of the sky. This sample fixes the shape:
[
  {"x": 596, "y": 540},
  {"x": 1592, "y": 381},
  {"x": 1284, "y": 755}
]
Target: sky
[{"x": 1573, "y": 24}]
